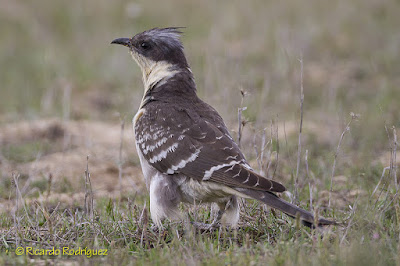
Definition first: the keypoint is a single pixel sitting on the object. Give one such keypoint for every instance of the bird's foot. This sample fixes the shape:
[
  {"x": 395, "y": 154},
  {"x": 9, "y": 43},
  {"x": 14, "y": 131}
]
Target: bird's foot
[
  {"x": 206, "y": 227},
  {"x": 155, "y": 228}
]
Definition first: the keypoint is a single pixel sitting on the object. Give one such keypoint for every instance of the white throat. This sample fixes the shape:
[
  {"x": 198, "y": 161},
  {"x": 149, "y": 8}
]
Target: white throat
[
  {"x": 154, "y": 72},
  {"x": 158, "y": 71}
]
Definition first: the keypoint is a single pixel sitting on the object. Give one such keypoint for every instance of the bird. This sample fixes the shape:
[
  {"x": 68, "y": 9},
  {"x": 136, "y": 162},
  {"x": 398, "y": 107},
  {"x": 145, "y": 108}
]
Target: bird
[{"x": 185, "y": 149}]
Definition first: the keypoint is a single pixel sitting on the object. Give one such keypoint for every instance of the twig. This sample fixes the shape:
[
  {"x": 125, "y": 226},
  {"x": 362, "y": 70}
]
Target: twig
[
  {"x": 257, "y": 155},
  {"x": 123, "y": 233},
  {"x": 48, "y": 218},
  {"x": 260, "y": 156},
  {"x": 49, "y": 182},
  {"x": 16, "y": 221},
  {"x": 296, "y": 184},
  {"x": 18, "y": 199},
  {"x": 311, "y": 195},
  {"x": 277, "y": 151},
  {"x": 350, "y": 221},
  {"x": 270, "y": 150},
  {"x": 308, "y": 177},
  {"x": 240, "y": 122},
  {"x": 392, "y": 170},
  {"x": 120, "y": 162},
  {"x": 353, "y": 116},
  {"x": 88, "y": 191},
  {"x": 393, "y": 162},
  {"x": 140, "y": 221},
  {"x": 380, "y": 181},
  {"x": 144, "y": 220},
  {"x": 263, "y": 146},
  {"x": 306, "y": 161},
  {"x": 385, "y": 124},
  {"x": 392, "y": 165}
]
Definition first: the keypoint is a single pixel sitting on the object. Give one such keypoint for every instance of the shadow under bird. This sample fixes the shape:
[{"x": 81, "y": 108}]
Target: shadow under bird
[{"x": 185, "y": 149}]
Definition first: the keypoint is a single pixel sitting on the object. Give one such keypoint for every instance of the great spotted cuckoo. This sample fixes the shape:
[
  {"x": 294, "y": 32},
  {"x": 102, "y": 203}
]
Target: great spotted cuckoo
[{"x": 185, "y": 150}]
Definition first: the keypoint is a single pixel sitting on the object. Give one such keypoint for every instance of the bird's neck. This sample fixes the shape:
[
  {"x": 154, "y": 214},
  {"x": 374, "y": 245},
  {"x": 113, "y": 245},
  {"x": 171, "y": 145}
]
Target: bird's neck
[
  {"x": 163, "y": 81},
  {"x": 157, "y": 73}
]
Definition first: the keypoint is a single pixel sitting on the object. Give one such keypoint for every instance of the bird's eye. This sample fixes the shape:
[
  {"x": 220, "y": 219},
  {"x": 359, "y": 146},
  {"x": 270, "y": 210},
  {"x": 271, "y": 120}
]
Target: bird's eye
[{"x": 145, "y": 45}]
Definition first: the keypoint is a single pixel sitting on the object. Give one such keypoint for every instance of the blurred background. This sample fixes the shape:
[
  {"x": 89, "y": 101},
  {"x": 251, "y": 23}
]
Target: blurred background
[{"x": 65, "y": 89}]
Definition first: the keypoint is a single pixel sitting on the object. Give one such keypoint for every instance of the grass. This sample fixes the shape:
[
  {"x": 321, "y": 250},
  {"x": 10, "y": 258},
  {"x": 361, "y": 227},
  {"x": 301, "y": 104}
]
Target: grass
[
  {"x": 57, "y": 63},
  {"x": 123, "y": 228}
]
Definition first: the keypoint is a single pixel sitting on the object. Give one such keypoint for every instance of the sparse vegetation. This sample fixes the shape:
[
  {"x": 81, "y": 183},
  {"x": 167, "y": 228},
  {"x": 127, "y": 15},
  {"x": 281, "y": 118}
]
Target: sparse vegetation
[{"x": 64, "y": 90}]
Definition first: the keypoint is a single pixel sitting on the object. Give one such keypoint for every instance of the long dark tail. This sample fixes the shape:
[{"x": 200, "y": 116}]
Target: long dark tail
[{"x": 292, "y": 210}]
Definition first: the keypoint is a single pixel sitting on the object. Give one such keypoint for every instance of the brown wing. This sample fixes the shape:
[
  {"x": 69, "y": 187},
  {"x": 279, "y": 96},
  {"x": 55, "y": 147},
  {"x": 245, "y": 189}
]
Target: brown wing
[{"x": 180, "y": 140}]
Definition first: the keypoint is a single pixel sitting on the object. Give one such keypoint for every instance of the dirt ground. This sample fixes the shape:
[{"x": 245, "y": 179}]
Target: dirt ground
[{"x": 61, "y": 155}]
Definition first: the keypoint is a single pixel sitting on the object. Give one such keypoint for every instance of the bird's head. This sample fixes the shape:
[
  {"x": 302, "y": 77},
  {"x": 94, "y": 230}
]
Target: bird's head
[{"x": 158, "y": 52}]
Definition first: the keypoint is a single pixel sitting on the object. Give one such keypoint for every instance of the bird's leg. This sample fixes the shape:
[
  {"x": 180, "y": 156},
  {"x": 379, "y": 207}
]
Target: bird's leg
[
  {"x": 229, "y": 209},
  {"x": 214, "y": 225},
  {"x": 231, "y": 212},
  {"x": 217, "y": 219}
]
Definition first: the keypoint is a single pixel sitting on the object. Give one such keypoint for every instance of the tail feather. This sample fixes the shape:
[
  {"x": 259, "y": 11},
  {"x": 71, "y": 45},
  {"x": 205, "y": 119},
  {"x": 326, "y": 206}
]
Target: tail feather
[{"x": 292, "y": 210}]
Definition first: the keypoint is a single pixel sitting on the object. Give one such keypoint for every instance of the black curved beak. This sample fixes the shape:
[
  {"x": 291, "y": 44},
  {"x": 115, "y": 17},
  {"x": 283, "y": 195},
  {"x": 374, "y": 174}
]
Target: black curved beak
[{"x": 122, "y": 41}]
